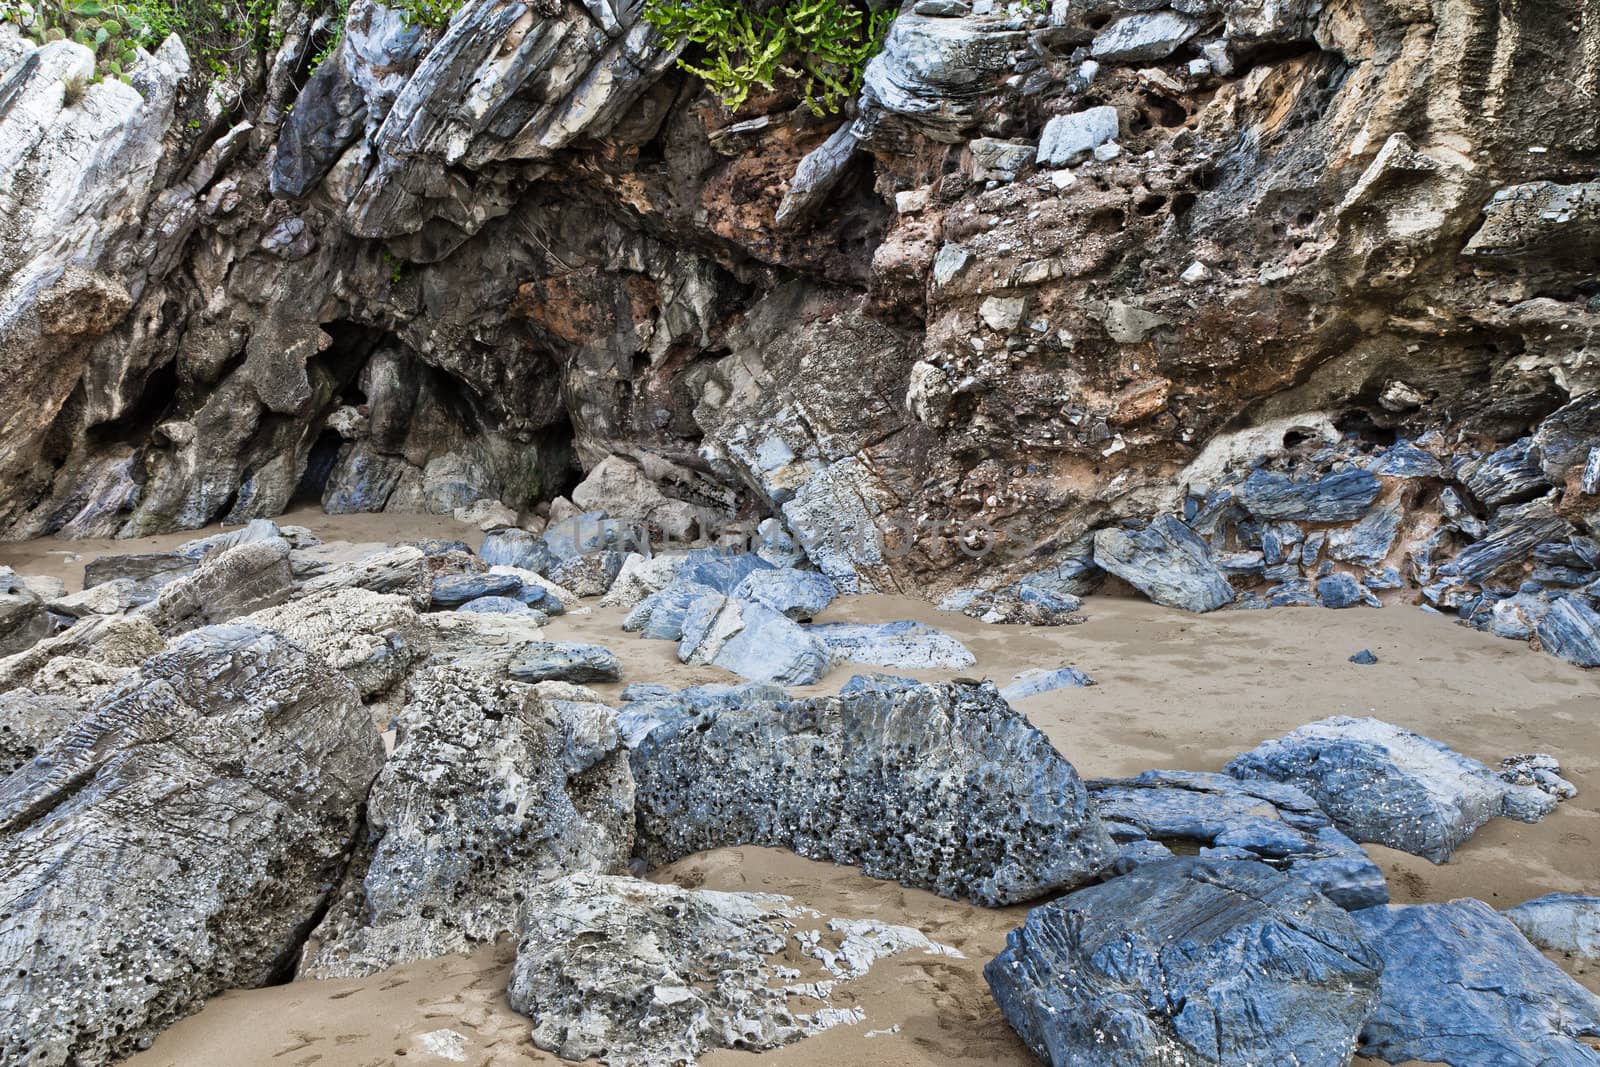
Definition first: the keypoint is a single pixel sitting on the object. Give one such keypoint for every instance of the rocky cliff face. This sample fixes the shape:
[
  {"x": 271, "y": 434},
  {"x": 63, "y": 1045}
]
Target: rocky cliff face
[{"x": 1053, "y": 269}]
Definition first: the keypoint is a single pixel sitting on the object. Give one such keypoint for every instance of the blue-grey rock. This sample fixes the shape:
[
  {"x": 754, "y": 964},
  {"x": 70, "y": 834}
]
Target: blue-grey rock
[
  {"x": 1384, "y": 784},
  {"x": 904, "y": 644},
  {"x": 1515, "y": 617},
  {"x": 454, "y": 590},
  {"x": 1239, "y": 563},
  {"x": 1069, "y": 138},
  {"x": 645, "y": 691},
  {"x": 720, "y": 568},
  {"x": 1278, "y": 540},
  {"x": 1336, "y": 497},
  {"x": 1143, "y": 37},
  {"x": 1462, "y": 986},
  {"x": 1364, "y": 657},
  {"x": 511, "y": 547},
  {"x": 1294, "y": 593},
  {"x": 1038, "y": 680},
  {"x": 1071, "y": 571},
  {"x": 1565, "y": 439},
  {"x": 591, "y": 531},
  {"x": 1369, "y": 540},
  {"x": 148, "y": 571},
  {"x": 1509, "y": 476},
  {"x": 1508, "y": 542},
  {"x": 503, "y": 605},
  {"x": 254, "y": 530},
  {"x": 1267, "y": 821},
  {"x": 938, "y": 786},
  {"x": 1342, "y": 591},
  {"x": 659, "y": 616},
  {"x": 1406, "y": 460},
  {"x": 589, "y": 574},
  {"x": 1561, "y": 922},
  {"x": 1166, "y": 562},
  {"x": 752, "y": 641},
  {"x": 1571, "y": 629},
  {"x": 801, "y": 595},
  {"x": 1387, "y": 578},
  {"x": 876, "y": 683},
  {"x": 435, "y": 546},
  {"x": 1188, "y": 962},
  {"x": 550, "y": 661},
  {"x": 1311, "y": 550}
]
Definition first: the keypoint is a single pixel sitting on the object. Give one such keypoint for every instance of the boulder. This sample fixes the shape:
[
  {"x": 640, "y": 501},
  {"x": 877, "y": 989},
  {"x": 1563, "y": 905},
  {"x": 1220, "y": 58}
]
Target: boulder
[
  {"x": 642, "y": 974},
  {"x": 505, "y": 605},
  {"x": 402, "y": 570},
  {"x": 370, "y": 638},
  {"x": 111, "y": 640},
  {"x": 490, "y": 790},
  {"x": 1166, "y": 562},
  {"x": 516, "y": 548},
  {"x": 550, "y": 661},
  {"x": 941, "y": 786},
  {"x": 148, "y": 571},
  {"x": 753, "y": 641},
  {"x": 1343, "y": 591},
  {"x": 255, "y": 530},
  {"x": 590, "y": 574},
  {"x": 1570, "y": 629},
  {"x": 591, "y": 531},
  {"x": 1037, "y": 680},
  {"x": 1069, "y": 138},
  {"x": 660, "y": 615},
  {"x": 720, "y": 568},
  {"x": 228, "y": 583},
  {"x": 640, "y": 577},
  {"x": 1143, "y": 37},
  {"x": 1336, "y": 497},
  {"x": 192, "y": 821},
  {"x": 107, "y": 598},
  {"x": 1561, "y": 922},
  {"x": 23, "y": 619},
  {"x": 1462, "y": 986},
  {"x": 454, "y": 590},
  {"x": 905, "y": 645},
  {"x": 1229, "y": 819},
  {"x": 1189, "y": 961},
  {"x": 1385, "y": 784},
  {"x": 801, "y": 595}
]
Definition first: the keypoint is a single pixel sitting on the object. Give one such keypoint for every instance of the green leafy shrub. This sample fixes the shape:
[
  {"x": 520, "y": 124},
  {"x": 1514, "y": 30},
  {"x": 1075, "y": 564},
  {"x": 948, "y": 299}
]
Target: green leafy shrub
[
  {"x": 823, "y": 44},
  {"x": 427, "y": 12}
]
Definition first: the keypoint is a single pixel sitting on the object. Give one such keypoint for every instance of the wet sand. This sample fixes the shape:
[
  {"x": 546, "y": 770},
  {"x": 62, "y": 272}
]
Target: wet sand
[{"x": 1175, "y": 691}]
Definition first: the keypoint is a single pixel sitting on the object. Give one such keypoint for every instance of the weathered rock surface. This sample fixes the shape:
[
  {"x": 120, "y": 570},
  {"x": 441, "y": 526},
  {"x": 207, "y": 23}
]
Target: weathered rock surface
[
  {"x": 370, "y": 638},
  {"x": 1189, "y": 961},
  {"x": 938, "y": 786},
  {"x": 491, "y": 789},
  {"x": 29, "y": 721},
  {"x": 1562, "y": 922},
  {"x": 904, "y": 644},
  {"x": 1037, "y": 680},
  {"x": 798, "y": 594},
  {"x": 176, "y": 842},
  {"x": 1462, "y": 986},
  {"x": 645, "y": 974},
  {"x": 1228, "y": 819},
  {"x": 1385, "y": 784},
  {"x": 753, "y": 641},
  {"x": 1167, "y": 563}
]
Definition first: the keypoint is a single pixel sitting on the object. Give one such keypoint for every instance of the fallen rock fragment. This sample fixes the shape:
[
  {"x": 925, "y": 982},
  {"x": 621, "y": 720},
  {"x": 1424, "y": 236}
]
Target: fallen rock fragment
[
  {"x": 192, "y": 821},
  {"x": 1462, "y": 986},
  {"x": 905, "y": 645},
  {"x": 1166, "y": 562},
  {"x": 938, "y": 786},
  {"x": 645, "y": 974},
  {"x": 230, "y": 582},
  {"x": 491, "y": 789},
  {"x": 370, "y": 638},
  {"x": 1189, "y": 962},
  {"x": 1228, "y": 819},
  {"x": 1561, "y": 922},
  {"x": 1385, "y": 784},
  {"x": 753, "y": 641}
]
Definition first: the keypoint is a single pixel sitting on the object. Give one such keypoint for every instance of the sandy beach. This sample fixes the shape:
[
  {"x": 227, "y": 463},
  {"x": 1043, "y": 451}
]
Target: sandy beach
[{"x": 1175, "y": 691}]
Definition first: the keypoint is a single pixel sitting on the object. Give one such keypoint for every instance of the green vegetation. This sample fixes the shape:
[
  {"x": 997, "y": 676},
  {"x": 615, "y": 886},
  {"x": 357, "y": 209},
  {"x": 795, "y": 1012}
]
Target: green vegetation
[
  {"x": 823, "y": 44},
  {"x": 221, "y": 35}
]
